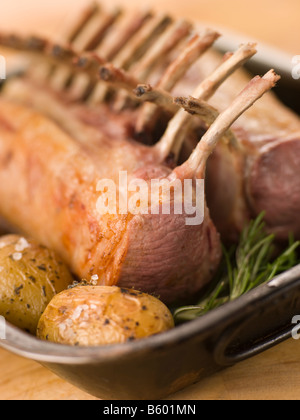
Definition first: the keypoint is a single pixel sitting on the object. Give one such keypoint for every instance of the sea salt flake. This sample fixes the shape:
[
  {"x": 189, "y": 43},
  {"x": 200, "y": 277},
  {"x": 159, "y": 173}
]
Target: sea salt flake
[
  {"x": 94, "y": 280},
  {"x": 62, "y": 328},
  {"x": 21, "y": 245},
  {"x": 78, "y": 311},
  {"x": 17, "y": 256}
]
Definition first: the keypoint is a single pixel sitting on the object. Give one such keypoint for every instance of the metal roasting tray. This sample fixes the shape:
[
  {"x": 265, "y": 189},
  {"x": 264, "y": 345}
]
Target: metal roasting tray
[{"x": 156, "y": 367}]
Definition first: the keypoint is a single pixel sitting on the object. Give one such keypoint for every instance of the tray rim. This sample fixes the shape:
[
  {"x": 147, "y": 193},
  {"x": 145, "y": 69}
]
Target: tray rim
[{"x": 23, "y": 344}]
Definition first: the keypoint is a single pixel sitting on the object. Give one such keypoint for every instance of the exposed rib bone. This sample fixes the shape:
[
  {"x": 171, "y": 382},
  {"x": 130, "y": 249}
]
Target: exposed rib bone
[
  {"x": 198, "y": 107},
  {"x": 120, "y": 35},
  {"x": 78, "y": 25},
  {"x": 167, "y": 42},
  {"x": 89, "y": 63},
  {"x": 157, "y": 96},
  {"x": 258, "y": 86},
  {"x": 134, "y": 50},
  {"x": 79, "y": 22},
  {"x": 112, "y": 44},
  {"x": 195, "y": 48},
  {"x": 40, "y": 48},
  {"x": 156, "y": 55},
  {"x": 90, "y": 38},
  {"x": 87, "y": 76},
  {"x": 142, "y": 41},
  {"x": 60, "y": 53},
  {"x": 53, "y": 54},
  {"x": 61, "y": 77},
  {"x": 232, "y": 63},
  {"x": 205, "y": 112},
  {"x": 117, "y": 77},
  {"x": 174, "y": 136},
  {"x": 27, "y": 44}
]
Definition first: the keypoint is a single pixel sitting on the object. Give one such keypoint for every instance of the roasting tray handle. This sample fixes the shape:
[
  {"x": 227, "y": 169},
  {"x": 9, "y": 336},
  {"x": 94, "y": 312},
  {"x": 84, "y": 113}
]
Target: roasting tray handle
[{"x": 226, "y": 353}]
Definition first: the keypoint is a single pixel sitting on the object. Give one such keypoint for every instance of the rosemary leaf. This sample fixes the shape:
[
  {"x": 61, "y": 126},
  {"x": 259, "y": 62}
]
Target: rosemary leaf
[{"x": 245, "y": 267}]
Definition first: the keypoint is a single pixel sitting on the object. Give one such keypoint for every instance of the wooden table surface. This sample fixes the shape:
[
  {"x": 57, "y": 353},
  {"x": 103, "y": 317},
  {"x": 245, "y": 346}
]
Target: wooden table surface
[{"x": 270, "y": 376}]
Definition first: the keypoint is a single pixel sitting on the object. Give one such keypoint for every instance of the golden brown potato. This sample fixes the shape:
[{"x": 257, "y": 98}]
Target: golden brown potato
[
  {"x": 30, "y": 275},
  {"x": 95, "y": 316}
]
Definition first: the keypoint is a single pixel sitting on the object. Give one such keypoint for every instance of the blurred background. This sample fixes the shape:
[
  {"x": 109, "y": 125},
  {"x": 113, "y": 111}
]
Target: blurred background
[{"x": 275, "y": 22}]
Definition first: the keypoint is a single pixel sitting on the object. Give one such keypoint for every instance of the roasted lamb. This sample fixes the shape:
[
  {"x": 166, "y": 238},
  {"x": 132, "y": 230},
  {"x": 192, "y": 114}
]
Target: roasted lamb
[{"x": 77, "y": 116}]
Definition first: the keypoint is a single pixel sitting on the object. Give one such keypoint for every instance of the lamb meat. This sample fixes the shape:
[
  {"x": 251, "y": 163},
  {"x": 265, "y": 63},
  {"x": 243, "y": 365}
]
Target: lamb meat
[
  {"x": 259, "y": 171},
  {"x": 68, "y": 124}
]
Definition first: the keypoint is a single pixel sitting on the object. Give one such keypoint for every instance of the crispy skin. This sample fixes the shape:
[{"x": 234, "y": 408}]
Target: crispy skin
[{"x": 48, "y": 185}]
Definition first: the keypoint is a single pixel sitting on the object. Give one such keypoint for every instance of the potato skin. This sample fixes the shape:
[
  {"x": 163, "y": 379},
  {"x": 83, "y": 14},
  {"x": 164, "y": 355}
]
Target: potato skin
[
  {"x": 96, "y": 316},
  {"x": 30, "y": 276}
]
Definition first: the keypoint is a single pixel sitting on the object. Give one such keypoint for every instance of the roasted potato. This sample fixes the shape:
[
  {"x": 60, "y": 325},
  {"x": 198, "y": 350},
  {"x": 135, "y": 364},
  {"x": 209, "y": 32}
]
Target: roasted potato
[
  {"x": 30, "y": 275},
  {"x": 95, "y": 316}
]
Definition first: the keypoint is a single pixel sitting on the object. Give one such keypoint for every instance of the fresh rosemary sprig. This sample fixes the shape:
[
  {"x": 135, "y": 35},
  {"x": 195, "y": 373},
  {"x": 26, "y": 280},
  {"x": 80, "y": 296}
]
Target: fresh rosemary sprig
[{"x": 244, "y": 267}]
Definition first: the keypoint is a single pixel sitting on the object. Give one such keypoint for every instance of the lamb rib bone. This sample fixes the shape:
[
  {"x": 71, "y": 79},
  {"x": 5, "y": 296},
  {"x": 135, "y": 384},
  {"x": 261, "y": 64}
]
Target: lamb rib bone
[
  {"x": 167, "y": 42},
  {"x": 134, "y": 49},
  {"x": 89, "y": 63},
  {"x": 157, "y": 96},
  {"x": 171, "y": 142},
  {"x": 87, "y": 39},
  {"x": 122, "y": 32},
  {"x": 116, "y": 39},
  {"x": 75, "y": 27},
  {"x": 117, "y": 77},
  {"x": 194, "y": 49},
  {"x": 258, "y": 86},
  {"x": 73, "y": 31},
  {"x": 207, "y": 113}
]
